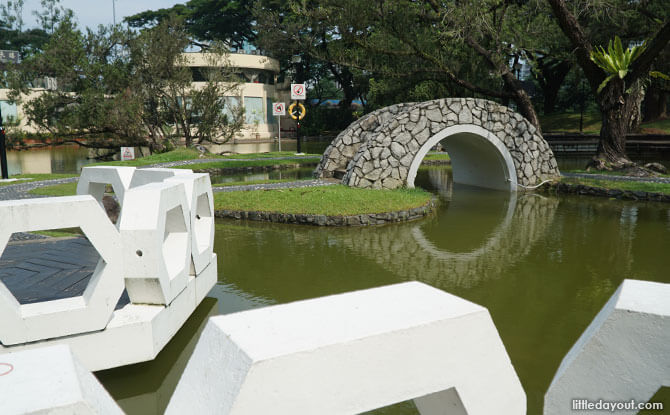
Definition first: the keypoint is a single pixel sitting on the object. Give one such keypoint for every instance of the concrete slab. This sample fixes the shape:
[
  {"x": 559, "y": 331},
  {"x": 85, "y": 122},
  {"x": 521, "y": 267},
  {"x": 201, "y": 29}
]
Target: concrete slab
[
  {"x": 351, "y": 353},
  {"x": 50, "y": 380},
  {"x": 624, "y": 354}
]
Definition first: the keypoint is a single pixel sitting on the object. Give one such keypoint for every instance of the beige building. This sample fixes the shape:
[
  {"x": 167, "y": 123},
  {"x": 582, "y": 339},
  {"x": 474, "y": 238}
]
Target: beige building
[{"x": 256, "y": 91}]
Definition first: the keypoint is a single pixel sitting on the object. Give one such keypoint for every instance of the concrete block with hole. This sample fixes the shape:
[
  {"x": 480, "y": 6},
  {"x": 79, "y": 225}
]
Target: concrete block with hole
[
  {"x": 155, "y": 174},
  {"x": 156, "y": 234},
  {"x": 136, "y": 332},
  {"x": 21, "y": 323},
  {"x": 623, "y": 355},
  {"x": 201, "y": 204},
  {"x": 93, "y": 181},
  {"x": 50, "y": 380},
  {"x": 351, "y": 353}
]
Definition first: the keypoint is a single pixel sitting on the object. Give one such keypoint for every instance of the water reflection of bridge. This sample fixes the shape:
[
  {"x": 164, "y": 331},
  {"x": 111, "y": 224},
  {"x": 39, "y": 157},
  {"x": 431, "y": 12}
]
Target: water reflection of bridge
[{"x": 409, "y": 252}]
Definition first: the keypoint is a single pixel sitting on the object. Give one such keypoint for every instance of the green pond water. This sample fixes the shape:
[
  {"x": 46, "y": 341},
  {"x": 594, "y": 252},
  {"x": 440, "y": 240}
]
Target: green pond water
[{"x": 542, "y": 265}]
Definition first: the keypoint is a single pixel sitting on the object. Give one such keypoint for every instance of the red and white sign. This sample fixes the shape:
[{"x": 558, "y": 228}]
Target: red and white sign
[
  {"x": 127, "y": 153},
  {"x": 298, "y": 91},
  {"x": 278, "y": 109}
]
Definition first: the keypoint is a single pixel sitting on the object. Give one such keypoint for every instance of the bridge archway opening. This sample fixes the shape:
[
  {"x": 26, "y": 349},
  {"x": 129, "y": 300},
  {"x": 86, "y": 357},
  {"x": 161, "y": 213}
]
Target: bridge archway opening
[{"x": 478, "y": 158}]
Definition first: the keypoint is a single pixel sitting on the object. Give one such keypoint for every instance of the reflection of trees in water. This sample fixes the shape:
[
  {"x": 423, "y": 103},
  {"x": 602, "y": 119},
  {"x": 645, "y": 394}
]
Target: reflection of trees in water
[{"x": 406, "y": 251}]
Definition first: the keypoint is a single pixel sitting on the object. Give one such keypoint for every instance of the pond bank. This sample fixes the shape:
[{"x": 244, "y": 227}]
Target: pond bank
[
  {"x": 600, "y": 191},
  {"x": 365, "y": 219}
]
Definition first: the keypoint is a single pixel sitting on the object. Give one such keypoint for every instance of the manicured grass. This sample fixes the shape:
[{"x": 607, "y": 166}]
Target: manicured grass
[
  {"x": 252, "y": 163},
  {"x": 569, "y": 123},
  {"x": 437, "y": 156},
  {"x": 174, "y": 155},
  {"x": 60, "y": 233},
  {"x": 266, "y": 155},
  {"x": 336, "y": 200},
  {"x": 36, "y": 177},
  {"x": 620, "y": 185},
  {"x": 252, "y": 182},
  {"x": 190, "y": 154},
  {"x": 65, "y": 189}
]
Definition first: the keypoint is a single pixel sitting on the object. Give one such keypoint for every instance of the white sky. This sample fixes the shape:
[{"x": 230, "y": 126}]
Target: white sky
[{"x": 91, "y": 13}]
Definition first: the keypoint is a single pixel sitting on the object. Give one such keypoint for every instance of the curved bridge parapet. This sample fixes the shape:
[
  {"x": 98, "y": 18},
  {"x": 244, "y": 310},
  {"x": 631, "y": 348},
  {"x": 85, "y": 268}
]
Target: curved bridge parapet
[{"x": 490, "y": 146}]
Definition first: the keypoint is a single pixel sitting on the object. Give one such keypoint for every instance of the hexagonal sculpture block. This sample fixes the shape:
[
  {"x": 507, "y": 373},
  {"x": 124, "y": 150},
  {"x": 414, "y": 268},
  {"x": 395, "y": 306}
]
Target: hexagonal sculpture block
[
  {"x": 351, "y": 353},
  {"x": 156, "y": 234},
  {"x": 93, "y": 181},
  {"x": 22, "y": 323},
  {"x": 622, "y": 356},
  {"x": 201, "y": 203},
  {"x": 155, "y": 175},
  {"x": 50, "y": 380}
]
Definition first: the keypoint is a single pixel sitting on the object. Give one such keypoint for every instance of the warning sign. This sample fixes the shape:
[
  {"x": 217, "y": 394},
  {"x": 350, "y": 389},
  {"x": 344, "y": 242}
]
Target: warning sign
[
  {"x": 127, "y": 153},
  {"x": 298, "y": 91},
  {"x": 278, "y": 109}
]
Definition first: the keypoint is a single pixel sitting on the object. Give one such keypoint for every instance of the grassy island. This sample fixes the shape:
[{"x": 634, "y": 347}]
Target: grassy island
[{"x": 335, "y": 200}]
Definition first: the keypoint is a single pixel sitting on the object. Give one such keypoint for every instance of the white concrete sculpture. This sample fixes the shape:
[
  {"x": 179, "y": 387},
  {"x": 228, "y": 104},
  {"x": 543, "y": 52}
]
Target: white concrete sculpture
[
  {"x": 156, "y": 234},
  {"x": 350, "y": 353},
  {"x": 21, "y": 323},
  {"x": 201, "y": 204},
  {"x": 50, "y": 380},
  {"x": 155, "y": 175},
  {"x": 150, "y": 253},
  {"x": 93, "y": 181},
  {"x": 623, "y": 355}
]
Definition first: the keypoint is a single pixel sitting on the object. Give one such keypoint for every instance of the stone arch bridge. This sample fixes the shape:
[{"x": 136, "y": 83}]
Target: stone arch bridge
[{"x": 490, "y": 146}]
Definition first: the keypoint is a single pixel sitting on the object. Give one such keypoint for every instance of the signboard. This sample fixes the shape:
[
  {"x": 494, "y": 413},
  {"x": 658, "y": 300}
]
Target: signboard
[
  {"x": 9, "y": 56},
  {"x": 278, "y": 109},
  {"x": 127, "y": 153},
  {"x": 298, "y": 91}
]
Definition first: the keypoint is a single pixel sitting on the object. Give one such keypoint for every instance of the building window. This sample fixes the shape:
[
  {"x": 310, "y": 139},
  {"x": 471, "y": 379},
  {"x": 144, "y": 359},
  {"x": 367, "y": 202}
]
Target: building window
[
  {"x": 253, "y": 110},
  {"x": 230, "y": 108},
  {"x": 9, "y": 112}
]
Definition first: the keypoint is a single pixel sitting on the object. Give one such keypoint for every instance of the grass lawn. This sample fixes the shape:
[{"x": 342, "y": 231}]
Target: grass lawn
[
  {"x": 65, "y": 189},
  {"x": 228, "y": 164},
  {"x": 36, "y": 177},
  {"x": 619, "y": 185},
  {"x": 251, "y": 182},
  {"x": 190, "y": 154},
  {"x": 336, "y": 200},
  {"x": 437, "y": 156},
  {"x": 569, "y": 123}
]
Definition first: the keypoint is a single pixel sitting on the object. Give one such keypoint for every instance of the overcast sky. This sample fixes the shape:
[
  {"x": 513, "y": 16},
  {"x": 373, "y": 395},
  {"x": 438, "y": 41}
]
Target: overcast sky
[{"x": 91, "y": 13}]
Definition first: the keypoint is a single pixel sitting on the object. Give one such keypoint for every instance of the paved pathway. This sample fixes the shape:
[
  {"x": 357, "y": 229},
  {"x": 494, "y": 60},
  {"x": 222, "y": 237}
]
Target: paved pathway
[
  {"x": 51, "y": 269},
  {"x": 618, "y": 178}
]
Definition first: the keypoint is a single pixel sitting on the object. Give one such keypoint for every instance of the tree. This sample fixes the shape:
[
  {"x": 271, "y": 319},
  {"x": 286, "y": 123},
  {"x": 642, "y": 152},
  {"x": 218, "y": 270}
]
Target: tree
[
  {"x": 470, "y": 44},
  {"x": 52, "y": 14},
  {"x": 617, "y": 100},
  {"x": 119, "y": 88},
  {"x": 12, "y": 32}
]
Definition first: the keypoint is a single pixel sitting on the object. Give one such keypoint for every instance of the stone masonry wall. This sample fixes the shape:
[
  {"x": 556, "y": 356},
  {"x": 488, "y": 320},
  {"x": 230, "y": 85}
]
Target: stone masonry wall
[
  {"x": 384, "y": 159},
  {"x": 340, "y": 152}
]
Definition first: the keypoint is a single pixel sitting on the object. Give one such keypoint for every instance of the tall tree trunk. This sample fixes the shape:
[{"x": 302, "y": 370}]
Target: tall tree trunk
[
  {"x": 616, "y": 108},
  {"x": 526, "y": 108}
]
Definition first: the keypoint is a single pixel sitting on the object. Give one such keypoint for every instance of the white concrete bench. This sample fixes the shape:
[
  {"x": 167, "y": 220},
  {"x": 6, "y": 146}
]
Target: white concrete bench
[{"x": 351, "y": 353}]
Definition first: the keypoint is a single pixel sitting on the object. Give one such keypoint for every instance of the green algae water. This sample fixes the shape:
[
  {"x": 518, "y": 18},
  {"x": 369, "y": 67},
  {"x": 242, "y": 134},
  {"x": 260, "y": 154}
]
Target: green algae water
[{"x": 543, "y": 266}]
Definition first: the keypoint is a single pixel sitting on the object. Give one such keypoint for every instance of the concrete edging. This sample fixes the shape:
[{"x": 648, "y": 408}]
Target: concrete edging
[
  {"x": 365, "y": 219},
  {"x": 581, "y": 189}
]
